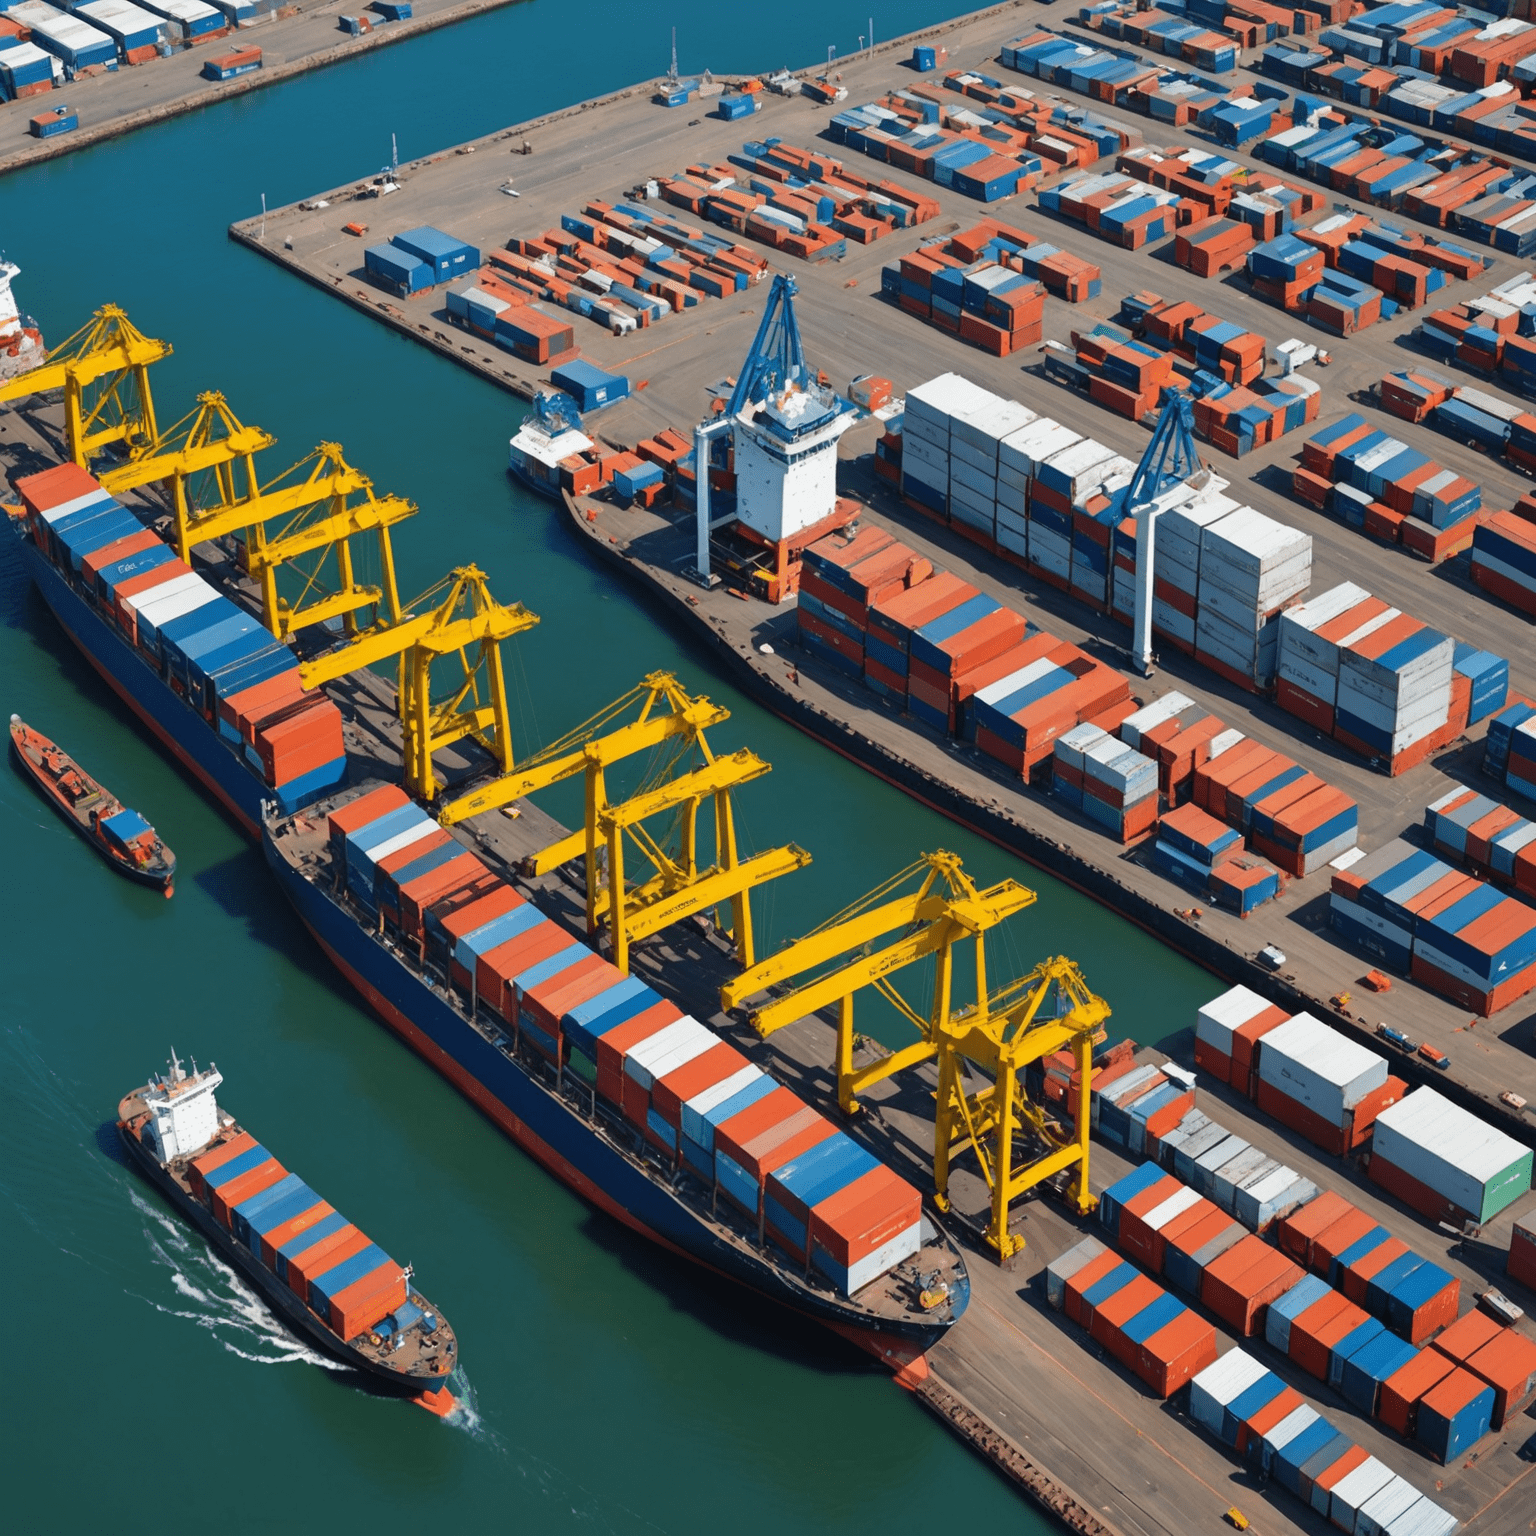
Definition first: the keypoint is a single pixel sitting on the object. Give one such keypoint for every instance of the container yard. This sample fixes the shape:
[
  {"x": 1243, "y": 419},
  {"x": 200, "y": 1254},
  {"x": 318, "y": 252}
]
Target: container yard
[
  {"x": 1267, "y": 1301},
  {"x": 126, "y": 66}
]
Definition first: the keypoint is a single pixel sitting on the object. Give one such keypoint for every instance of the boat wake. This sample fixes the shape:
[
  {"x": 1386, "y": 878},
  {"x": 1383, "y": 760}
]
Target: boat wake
[
  {"x": 220, "y": 1301},
  {"x": 466, "y": 1413}
]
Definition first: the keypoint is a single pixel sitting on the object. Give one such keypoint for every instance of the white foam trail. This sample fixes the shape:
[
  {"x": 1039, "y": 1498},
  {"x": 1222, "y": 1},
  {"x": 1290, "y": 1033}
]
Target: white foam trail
[
  {"x": 466, "y": 1411},
  {"x": 226, "y": 1303}
]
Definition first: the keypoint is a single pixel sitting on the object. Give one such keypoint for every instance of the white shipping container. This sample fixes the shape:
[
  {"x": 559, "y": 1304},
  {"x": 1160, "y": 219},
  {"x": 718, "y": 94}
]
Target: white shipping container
[
  {"x": 1151, "y": 715},
  {"x": 1452, "y": 1152},
  {"x": 1318, "y": 1067},
  {"x": 1220, "y": 1384},
  {"x": 1223, "y": 1016}
]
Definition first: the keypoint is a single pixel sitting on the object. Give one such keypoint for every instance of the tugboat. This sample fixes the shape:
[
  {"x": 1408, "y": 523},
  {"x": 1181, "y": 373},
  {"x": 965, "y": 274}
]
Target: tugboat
[
  {"x": 320, "y": 1275},
  {"x": 121, "y": 836}
]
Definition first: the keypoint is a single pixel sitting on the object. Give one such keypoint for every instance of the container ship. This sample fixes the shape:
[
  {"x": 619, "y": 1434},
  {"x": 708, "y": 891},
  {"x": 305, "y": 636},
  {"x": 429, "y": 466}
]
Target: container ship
[
  {"x": 221, "y": 694},
  {"x": 642, "y": 1110},
  {"x": 323, "y": 1277},
  {"x": 636, "y": 1105}
]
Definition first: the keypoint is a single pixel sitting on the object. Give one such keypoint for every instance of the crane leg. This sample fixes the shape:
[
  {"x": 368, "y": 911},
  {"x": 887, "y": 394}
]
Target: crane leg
[
  {"x": 845, "y": 1094},
  {"x": 1082, "y": 1049}
]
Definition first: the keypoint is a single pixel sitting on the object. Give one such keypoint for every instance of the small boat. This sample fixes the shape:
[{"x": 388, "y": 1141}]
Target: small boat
[
  {"x": 121, "y": 836},
  {"x": 318, "y": 1273}
]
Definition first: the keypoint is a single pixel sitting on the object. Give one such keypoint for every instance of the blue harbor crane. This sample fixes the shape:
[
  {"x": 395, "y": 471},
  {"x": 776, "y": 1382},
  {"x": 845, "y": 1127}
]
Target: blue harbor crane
[
  {"x": 1170, "y": 461},
  {"x": 777, "y": 405}
]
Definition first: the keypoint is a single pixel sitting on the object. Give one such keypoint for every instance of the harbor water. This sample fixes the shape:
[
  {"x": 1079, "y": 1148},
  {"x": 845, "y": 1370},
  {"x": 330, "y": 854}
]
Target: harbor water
[{"x": 613, "y": 1388}]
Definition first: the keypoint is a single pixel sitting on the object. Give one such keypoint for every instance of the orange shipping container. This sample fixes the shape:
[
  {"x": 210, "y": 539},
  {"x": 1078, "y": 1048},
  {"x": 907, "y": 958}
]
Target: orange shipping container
[
  {"x": 368, "y": 1301},
  {"x": 294, "y": 1227},
  {"x": 1175, "y": 1353},
  {"x": 215, "y": 1157},
  {"x": 872, "y": 1211},
  {"x": 1239, "y": 1284},
  {"x": 227, "y": 1196},
  {"x": 315, "y": 1260}
]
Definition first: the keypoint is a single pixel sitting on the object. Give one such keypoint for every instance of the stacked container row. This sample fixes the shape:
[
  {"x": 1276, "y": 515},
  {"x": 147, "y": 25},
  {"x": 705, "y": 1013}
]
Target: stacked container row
[
  {"x": 229, "y": 669},
  {"x": 1451, "y": 932},
  {"x": 820, "y": 1197},
  {"x": 1489, "y": 837}
]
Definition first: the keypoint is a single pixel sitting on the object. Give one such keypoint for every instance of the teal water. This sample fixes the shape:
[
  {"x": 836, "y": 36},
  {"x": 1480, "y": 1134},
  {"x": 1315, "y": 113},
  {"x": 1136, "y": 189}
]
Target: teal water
[{"x": 616, "y": 1390}]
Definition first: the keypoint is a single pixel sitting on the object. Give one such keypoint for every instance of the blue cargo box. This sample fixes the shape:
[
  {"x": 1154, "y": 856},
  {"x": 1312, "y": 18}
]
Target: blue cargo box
[
  {"x": 588, "y": 385},
  {"x": 447, "y": 256},
  {"x": 397, "y": 269}
]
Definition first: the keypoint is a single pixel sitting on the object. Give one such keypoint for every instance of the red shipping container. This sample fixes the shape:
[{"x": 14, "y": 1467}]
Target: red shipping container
[
  {"x": 871, "y": 1212},
  {"x": 472, "y": 915},
  {"x": 1354, "y": 1457},
  {"x": 1176, "y": 1352},
  {"x": 1136, "y": 1239},
  {"x": 1288, "y": 1111},
  {"x": 215, "y": 1157},
  {"x": 498, "y": 967},
  {"x": 420, "y": 894},
  {"x": 545, "y": 1004},
  {"x": 1398, "y": 1404},
  {"x": 1508, "y": 1365},
  {"x": 386, "y": 891},
  {"x": 1240, "y": 1284},
  {"x": 1342, "y": 1233},
  {"x": 224, "y": 1199},
  {"x": 1297, "y": 1232},
  {"x": 367, "y": 808},
  {"x": 1469, "y": 1334},
  {"x": 758, "y": 1154},
  {"x": 1106, "y": 1321},
  {"x": 1356, "y": 1277},
  {"x": 1264, "y": 1419},
  {"x": 1323, "y": 1325},
  {"x": 240, "y": 710},
  {"x": 1521, "y": 1264}
]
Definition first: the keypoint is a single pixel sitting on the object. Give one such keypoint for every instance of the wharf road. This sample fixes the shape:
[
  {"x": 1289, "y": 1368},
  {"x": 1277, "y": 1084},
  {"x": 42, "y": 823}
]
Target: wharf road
[
  {"x": 602, "y": 149},
  {"x": 1027, "y": 1390},
  {"x": 292, "y": 38}
]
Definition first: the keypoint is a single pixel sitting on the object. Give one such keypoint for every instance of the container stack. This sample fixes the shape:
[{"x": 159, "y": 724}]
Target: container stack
[
  {"x": 1116, "y": 207},
  {"x": 1178, "y": 733},
  {"x": 1151, "y": 1333},
  {"x": 1342, "y": 240},
  {"x": 1227, "y": 1033},
  {"x": 822, "y": 1199},
  {"x": 1250, "y": 1409},
  {"x": 1445, "y": 1162},
  {"x": 1323, "y": 1084},
  {"x": 1487, "y": 836},
  {"x": 1233, "y": 196},
  {"x": 1207, "y": 857},
  {"x": 418, "y": 260},
  {"x": 345, "y": 1278},
  {"x": 1285, "y": 271},
  {"x": 1251, "y": 569},
  {"x": 1509, "y": 752},
  {"x": 957, "y": 660},
  {"x": 1504, "y": 559},
  {"x": 1451, "y": 932},
  {"x": 219, "y": 658},
  {"x": 1097, "y": 774},
  {"x": 1376, "y": 680},
  {"x": 1521, "y": 1264}
]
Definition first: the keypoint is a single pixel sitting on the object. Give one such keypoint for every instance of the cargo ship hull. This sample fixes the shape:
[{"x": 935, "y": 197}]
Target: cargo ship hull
[
  {"x": 185, "y": 734},
  {"x": 283, "y": 1303},
  {"x": 550, "y": 1129}
]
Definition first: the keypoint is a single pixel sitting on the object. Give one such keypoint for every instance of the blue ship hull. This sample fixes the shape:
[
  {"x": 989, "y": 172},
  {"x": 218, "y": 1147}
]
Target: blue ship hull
[
  {"x": 553, "y": 1131},
  {"x": 184, "y": 733}
]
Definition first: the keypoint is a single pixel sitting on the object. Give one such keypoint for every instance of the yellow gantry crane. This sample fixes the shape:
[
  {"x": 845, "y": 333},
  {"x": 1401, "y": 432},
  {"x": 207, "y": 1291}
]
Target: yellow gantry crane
[
  {"x": 103, "y": 370},
  {"x": 460, "y": 616},
  {"x": 930, "y": 908},
  {"x": 669, "y": 721},
  {"x": 299, "y": 520},
  {"x": 209, "y": 443}
]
